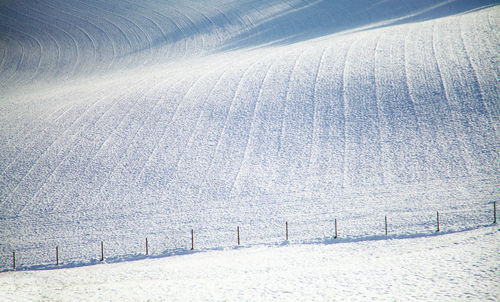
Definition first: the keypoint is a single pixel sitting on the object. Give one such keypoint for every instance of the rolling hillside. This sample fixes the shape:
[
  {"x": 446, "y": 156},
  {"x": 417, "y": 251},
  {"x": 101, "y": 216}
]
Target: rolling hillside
[{"x": 120, "y": 121}]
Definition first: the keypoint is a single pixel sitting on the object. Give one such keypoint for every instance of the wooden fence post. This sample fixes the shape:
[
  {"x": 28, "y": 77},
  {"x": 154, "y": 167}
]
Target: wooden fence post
[
  {"x": 57, "y": 255},
  {"x": 494, "y": 212},
  {"x": 286, "y": 224},
  {"x": 14, "y": 260},
  {"x": 147, "y": 251},
  {"x": 335, "y": 229},
  {"x": 437, "y": 219},
  {"x": 385, "y": 225},
  {"x": 102, "y": 251},
  {"x": 238, "y": 229},
  {"x": 192, "y": 239}
]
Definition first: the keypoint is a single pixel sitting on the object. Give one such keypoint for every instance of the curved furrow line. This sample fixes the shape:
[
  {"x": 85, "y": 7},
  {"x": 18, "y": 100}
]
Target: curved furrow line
[
  {"x": 445, "y": 90},
  {"x": 494, "y": 42},
  {"x": 70, "y": 148},
  {"x": 149, "y": 139},
  {"x": 251, "y": 130},
  {"x": 427, "y": 94},
  {"x": 284, "y": 112},
  {"x": 76, "y": 57},
  {"x": 122, "y": 163},
  {"x": 180, "y": 30},
  {"x": 251, "y": 25},
  {"x": 212, "y": 109},
  {"x": 52, "y": 144},
  {"x": 125, "y": 37},
  {"x": 46, "y": 134},
  {"x": 479, "y": 80},
  {"x": 345, "y": 108},
  {"x": 129, "y": 24},
  {"x": 48, "y": 32},
  {"x": 90, "y": 179},
  {"x": 314, "y": 108},
  {"x": 95, "y": 22},
  {"x": 12, "y": 16},
  {"x": 37, "y": 139},
  {"x": 38, "y": 71},
  {"x": 74, "y": 145},
  {"x": 474, "y": 115},
  {"x": 111, "y": 43},
  {"x": 228, "y": 20},
  {"x": 133, "y": 28},
  {"x": 214, "y": 29},
  {"x": 30, "y": 138},
  {"x": 164, "y": 131},
  {"x": 326, "y": 156},
  {"x": 21, "y": 60},
  {"x": 224, "y": 129},
  {"x": 493, "y": 24},
  {"x": 363, "y": 157},
  {"x": 8, "y": 63},
  {"x": 191, "y": 141},
  {"x": 237, "y": 18},
  {"x": 101, "y": 51},
  {"x": 80, "y": 51},
  {"x": 4, "y": 55},
  {"x": 11, "y": 57},
  {"x": 174, "y": 145},
  {"x": 27, "y": 173},
  {"x": 297, "y": 123},
  {"x": 20, "y": 63},
  {"x": 157, "y": 40},
  {"x": 263, "y": 150},
  {"x": 198, "y": 29},
  {"x": 363, "y": 154},
  {"x": 422, "y": 152},
  {"x": 398, "y": 121},
  {"x": 88, "y": 22},
  {"x": 24, "y": 135},
  {"x": 378, "y": 115},
  {"x": 148, "y": 38},
  {"x": 192, "y": 26}
]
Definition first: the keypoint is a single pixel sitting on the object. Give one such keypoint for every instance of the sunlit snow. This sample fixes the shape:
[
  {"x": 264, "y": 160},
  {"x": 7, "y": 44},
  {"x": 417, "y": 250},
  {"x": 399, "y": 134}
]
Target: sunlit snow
[{"x": 121, "y": 120}]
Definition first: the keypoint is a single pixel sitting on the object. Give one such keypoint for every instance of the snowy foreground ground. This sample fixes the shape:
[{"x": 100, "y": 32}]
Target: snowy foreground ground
[{"x": 462, "y": 266}]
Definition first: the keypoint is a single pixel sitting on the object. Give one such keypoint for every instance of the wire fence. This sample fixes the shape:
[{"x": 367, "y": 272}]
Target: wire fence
[{"x": 264, "y": 230}]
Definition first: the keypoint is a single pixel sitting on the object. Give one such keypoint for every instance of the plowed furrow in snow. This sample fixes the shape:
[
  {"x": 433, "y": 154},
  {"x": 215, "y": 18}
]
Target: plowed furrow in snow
[
  {"x": 468, "y": 113},
  {"x": 363, "y": 154},
  {"x": 122, "y": 182},
  {"x": 159, "y": 168},
  {"x": 264, "y": 144},
  {"x": 427, "y": 93},
  {"x": 298, "y": 123},
  {"x": 46, "y": 164},
  {"x": 485, "y": 62},
  {"x": 327, "y": 155},
  {"x": 254, "y": 97},
  {"x": 398, "y": 123},
  {"x": 213, "y": 184}
]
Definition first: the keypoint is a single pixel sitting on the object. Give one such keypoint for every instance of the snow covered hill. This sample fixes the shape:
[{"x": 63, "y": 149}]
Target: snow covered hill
[{"x": 122, "y": 120}]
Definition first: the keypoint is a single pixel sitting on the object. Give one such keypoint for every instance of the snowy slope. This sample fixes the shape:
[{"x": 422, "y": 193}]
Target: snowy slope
[{"x": 121, "y": 121}]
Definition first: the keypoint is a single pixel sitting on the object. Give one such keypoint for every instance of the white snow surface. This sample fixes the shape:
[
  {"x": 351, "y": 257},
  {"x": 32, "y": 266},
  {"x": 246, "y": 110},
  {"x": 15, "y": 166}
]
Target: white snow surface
[
  {"x": 463, "y": 266},
  {"x": 121, "y": 120}
]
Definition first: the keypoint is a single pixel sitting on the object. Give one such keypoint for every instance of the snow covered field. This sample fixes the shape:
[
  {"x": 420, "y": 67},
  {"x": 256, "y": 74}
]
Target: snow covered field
[{"x": 122, "y": 120}]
